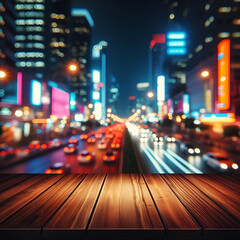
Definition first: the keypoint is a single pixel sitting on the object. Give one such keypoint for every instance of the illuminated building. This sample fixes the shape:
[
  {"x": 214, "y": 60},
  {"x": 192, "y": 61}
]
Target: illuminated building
[
  {"x": 219, "y": 21},
  {"x": 30, "y": 35},
  {"x": 113, "y": 94},
  {"x": 81, "y": 31},
  {"x": 7, "y": 32}
]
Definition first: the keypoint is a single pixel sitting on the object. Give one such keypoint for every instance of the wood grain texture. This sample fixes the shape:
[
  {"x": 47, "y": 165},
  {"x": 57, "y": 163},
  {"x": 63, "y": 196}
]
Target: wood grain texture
[
  {"x": 125, "y": 203},
  {"x": 9, "y": 182},
  {"x": 37, "y": 213},
  {"x": 221, "y": 194},
  {"x": 18, "y": 196},
  {"x": 174, "y": 214},
  {"x": 209, "y": 215}
]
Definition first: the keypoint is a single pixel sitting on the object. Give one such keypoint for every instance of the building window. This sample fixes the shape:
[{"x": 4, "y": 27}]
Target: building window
[
  {"x": 209, "y": 21},
  {"x": 208, "y": 39},
  {"x": 236, "y": 21},
  {"x": 236, "y": 34},
  {"x": 224, "y": 9},
  {"x": 207, "y": 7},
  {"x": 199, "y": 48},
  {"x": 224, "y": 35}
]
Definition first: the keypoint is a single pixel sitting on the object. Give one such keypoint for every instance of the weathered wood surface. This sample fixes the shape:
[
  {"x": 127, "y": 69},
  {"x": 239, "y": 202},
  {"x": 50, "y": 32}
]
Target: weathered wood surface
[{"x": 119, "y": 206}]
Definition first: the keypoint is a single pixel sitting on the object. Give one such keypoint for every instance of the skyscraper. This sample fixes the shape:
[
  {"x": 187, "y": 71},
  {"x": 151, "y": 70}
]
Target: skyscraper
[{"x": 81, "y": 29}]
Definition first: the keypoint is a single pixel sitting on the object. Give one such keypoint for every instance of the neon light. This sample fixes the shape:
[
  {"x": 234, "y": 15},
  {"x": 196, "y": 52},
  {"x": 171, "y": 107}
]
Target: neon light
[
  {"x": 96, "y": 76},
  {"x": 72, "y": 101},
  {"x": 98, "y": 110},
  {"x": 82, "y": 12},
  {"x": 60, "y": 103},
  {"x": 176, "y": 43},
  {"x": 218, "y": 117},
  {"x": 36, "y": 93},
  {"x": 157, "y": 38},
  {"x": 176, "y": 35},
  {"x": 224, "y": 75},
  {"x": 96, "y": 95},
  {"x": 176, "y": 51},
  {"x": 19, "y": 88},
  {"x": 161, "y": 88},
  {"x": 186, "y": 104},
  {"x": 52, "y": 84}
]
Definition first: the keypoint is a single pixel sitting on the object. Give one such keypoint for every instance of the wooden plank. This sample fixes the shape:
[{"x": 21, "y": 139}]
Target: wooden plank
[
  {"x": 17, "y": 178},
  {"x": 208, "y": 214},
  {"x": 18, "y": 196},
  {"x": 125, "y": 206},
  {"x": 222, "y": 195},
  {"x": 72, "y": 219},
  {"x": 29, "y": 220},
  {"x": 175, "y": 216},
  {"x": 226, "y": 181}
]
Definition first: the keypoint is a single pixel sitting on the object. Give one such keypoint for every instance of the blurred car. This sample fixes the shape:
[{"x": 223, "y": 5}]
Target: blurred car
[
  {"x": 73, "y": 140},
  {"x": 6, "y": 151},
  {"x": 115, "y": 145},
  {"x": 219, "y": 161},
  {"x": 98, "y": 135},
  {"x": 110, "y": 157},
  {"x": 70, "y": 149},
  {"x": 34, "y": 144},
  {"x": 85, "y": 157},
  {"x": 102, "y": 145},
  {"x": 58, "y": 168},
  {"x": 189, "y": 148},
  {"x": 91, "y": 140},
  {"x": 157, "y": 141},
  {"x": 54, "y": 143},
  {"x": 169, "y": 139},
  {"x": 84, "y": 137}
]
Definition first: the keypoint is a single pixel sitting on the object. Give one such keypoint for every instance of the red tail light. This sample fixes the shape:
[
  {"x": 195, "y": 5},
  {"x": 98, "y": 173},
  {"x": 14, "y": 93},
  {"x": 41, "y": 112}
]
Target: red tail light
[
  {"x": 37, "y": 146},
  {"x": 118, "y": 145},
  {"x": 112, "y": 158},
  {"x": 18, "y": 151},
  {"x": 3, "y": 153},
  {"x": 105, "y": 157},
  {"x": 31, "y": 146},
  {"x": 59, "y": 142},
  {"x": 44, "y": 146},
  {"x": 65, "y": 149},
  {"x": 59, "y": 171},
  {"x": 48, "y": 171},
  {"x": 88, "y": 157},
  {"x": 70, "y": 141},
  {"x": 72, "y": 149},
  {"x": 113, "y": 145},
  {"x": 75, "y": 140}
]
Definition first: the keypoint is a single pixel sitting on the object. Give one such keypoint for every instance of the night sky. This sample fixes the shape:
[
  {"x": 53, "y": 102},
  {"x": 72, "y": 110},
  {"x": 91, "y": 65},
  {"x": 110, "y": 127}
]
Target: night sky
[{"x": 127, "y": 26}]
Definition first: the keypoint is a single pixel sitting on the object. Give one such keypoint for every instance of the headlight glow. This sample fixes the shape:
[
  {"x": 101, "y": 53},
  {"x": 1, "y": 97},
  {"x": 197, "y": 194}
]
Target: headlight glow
[
  {"x": 234, "y": 166},
  {"x": 190, "y": 150},
  {"x": 197, "y": 150},
  {"x": 224, "y": 166}
]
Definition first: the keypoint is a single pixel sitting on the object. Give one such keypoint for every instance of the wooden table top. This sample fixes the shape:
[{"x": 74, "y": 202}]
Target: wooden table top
[{"x": 121, "y": 206}]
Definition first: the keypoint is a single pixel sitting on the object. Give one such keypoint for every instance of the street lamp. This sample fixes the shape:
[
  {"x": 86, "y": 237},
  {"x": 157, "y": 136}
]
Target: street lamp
[
  {"x": 72, "y": 67},
  {"x": 109, "y": 110},
  {"x": 2, "y": 74},
  {"x": 205, "y": 73},
  {"x": 144, "y": 107},
  {"x": 90, "y": 105}
]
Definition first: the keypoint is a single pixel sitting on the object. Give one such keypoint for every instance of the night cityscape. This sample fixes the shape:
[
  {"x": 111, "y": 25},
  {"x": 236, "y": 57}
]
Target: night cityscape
[{"x": 119, "y": 119}]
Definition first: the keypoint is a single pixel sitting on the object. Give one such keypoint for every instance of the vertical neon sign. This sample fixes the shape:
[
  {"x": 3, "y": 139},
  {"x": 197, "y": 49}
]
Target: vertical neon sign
[
  {"x": 224, "y": 75},
  {"x": 19, "y": 88}
]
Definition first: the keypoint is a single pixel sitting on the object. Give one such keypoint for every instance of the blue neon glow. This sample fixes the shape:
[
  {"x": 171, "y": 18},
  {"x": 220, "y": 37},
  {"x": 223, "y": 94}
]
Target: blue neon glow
[
  {"x": 176, "y": 35},
  {"x": 220, "y": 55},
  {"x": 186, "y": 106},
  {"x": 176, "y": 43},
  {"x": 195, "y": 114},
  {"x": 36, "y": 93},
  {"x": 82, "y": 12},
  {"x": 176, "y": 51},
  {"x": 72, "y": 99},
  {"x": 95, "y": 95},
  {"x": 52, "y": 84},
  {"x": 216, "y": 115}
]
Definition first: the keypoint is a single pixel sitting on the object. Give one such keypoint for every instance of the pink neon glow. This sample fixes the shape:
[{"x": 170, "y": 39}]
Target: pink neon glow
[
  {"x": 60, "y": 103},
  {"x": 19, "y": 88}
]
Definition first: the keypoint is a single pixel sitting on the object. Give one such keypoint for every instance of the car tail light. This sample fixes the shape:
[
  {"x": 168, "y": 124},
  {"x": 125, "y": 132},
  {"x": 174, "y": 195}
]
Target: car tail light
[
  {"x": 88, "y": 157},
  {"x": 118, "y": 145},
  {"x": 48, "y": 171},
  {"x": 18, "y": 151},
  {"x": 31, "y": 146},
  {"x": 72, "y": 149},
  {"x": 104, "y": 145},
  {"x": 50, "y": 144},
  {"x": 37, "y": 146},
  {"x": 26, "y": 150},
  {"x": 93, "y": 140},
  {"x": 70, "y": 141},
  {"x": 59, "y": 171},
  {"x": 105, "y": 157},
  {"x": 112, "y": 158},
  {"x": 112, "y": 145},
  {"x": 75, "y": 140},
  {"x": 59, "y": 142},
  {"x": 89, "y": 140},
  {"x": 3, "y": 153},
  {"x": 65, "y": 149},
  {"x": 44, "y": 146}
]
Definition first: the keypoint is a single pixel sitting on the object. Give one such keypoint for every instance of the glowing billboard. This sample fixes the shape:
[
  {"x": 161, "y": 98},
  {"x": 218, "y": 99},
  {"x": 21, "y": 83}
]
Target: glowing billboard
[
  {"x": 224, "y": 75},
  {"x": 60, "y": 103},
  {"x": 36, "y": 93},
  {"x": 19, "y": 88},
  {"x": 161, "y": 88}
]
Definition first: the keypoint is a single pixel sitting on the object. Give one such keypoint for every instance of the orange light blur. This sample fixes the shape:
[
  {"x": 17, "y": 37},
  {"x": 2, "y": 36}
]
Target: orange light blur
[
  {"x": 44, "y": 146},
  {"x": 37, "y": 146},
  {"x": 105, "y": 157},
  {"x": 48, "y": 171},
  {"x": 88, "y": 157},
  {"x": 73, "y": 67},
  {"x": 112, "y": 158},
  {"x": 59, "y": 171},
  {"x": 2, "y": 74},
  {"x": 224, "y": 75}
]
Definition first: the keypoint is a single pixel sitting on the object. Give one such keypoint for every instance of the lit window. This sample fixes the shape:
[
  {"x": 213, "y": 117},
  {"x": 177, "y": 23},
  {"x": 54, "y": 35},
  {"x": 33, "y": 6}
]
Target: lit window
[
  {"x": 224, "y": 9},
  {"x": 224, "y": 35},
  {"x": 20, "y": 37},
  {"x": 236, "y": 34},
  {"x": 236, "y": 21},
  {"x": 199, "y": 48},
  {"x": 208, "y": 39},
  {"x": 236, "y": 46},
  {"x": 209, "y": 21},
  {"x": 207, "y": 7}
]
